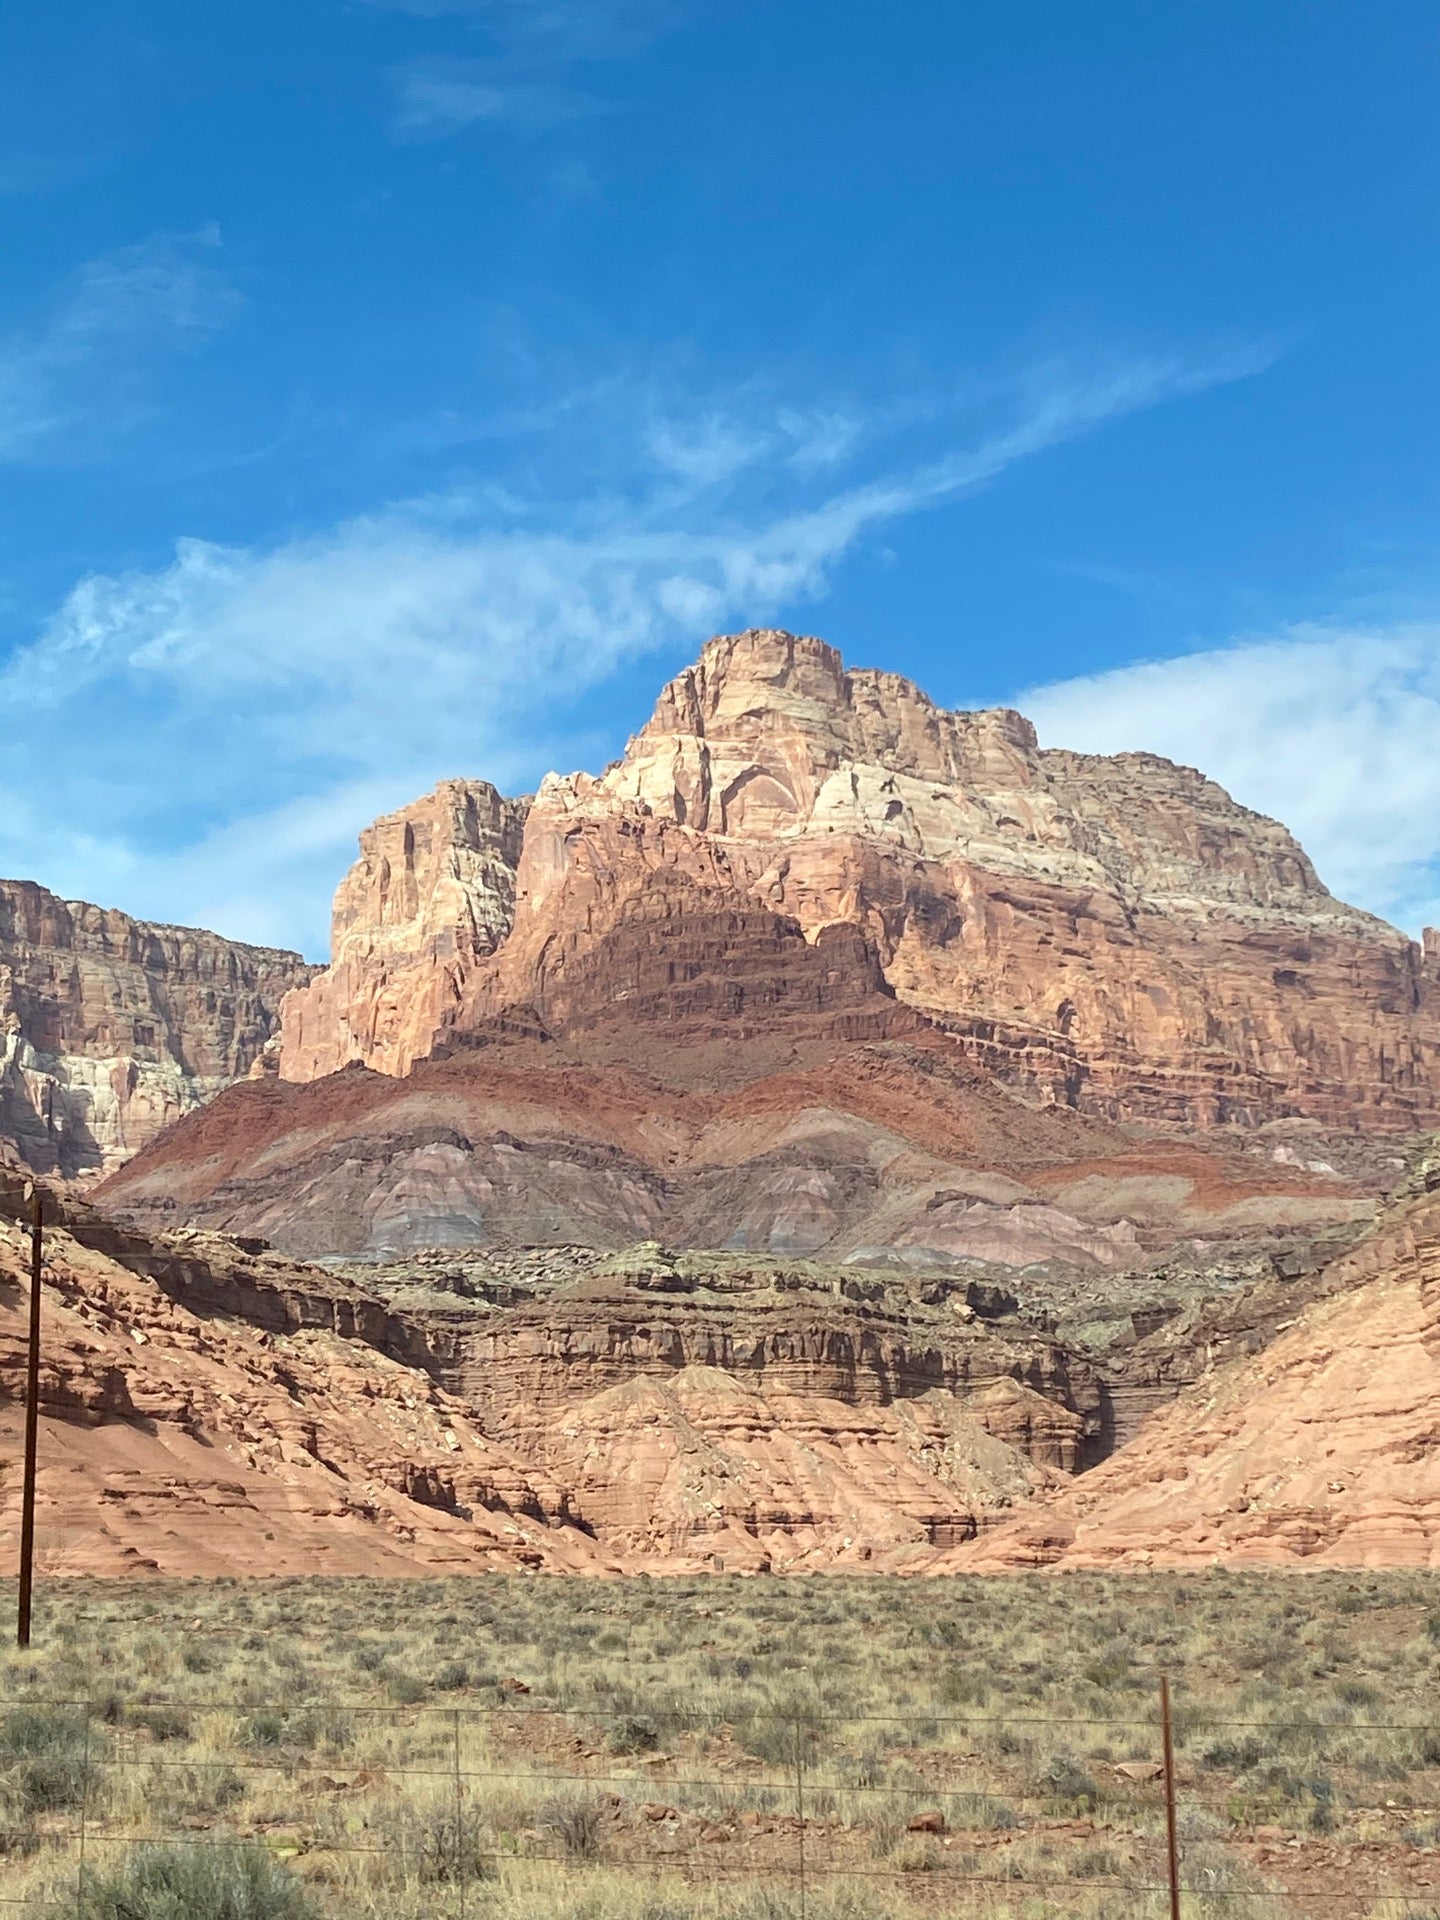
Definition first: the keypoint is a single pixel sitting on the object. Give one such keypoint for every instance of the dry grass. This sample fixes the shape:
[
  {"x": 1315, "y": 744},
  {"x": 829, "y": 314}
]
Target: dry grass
[{"x": 642, "y": 1750}]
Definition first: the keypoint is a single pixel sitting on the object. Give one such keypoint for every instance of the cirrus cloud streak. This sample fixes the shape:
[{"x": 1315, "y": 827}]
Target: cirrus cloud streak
[{"x": 202, "y": 740}]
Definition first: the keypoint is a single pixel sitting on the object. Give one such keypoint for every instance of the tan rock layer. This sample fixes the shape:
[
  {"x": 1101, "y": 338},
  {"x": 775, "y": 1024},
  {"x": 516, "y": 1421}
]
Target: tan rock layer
[
  {"x": 181, "y": 1440},
  {"x": 523, "y": 1374},
  {"x": 1320, "y": 1450},
  {"x": 712, "y": 1469},
  {"x": 432, "y": 894}
]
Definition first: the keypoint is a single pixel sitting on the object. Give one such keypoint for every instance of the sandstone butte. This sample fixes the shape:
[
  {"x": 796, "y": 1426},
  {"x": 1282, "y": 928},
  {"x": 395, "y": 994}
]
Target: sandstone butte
[
  {"x": 110, "y": 1028},
  {"x": 670, "y": 1004},
  {"x": 1115, "y": 934}
]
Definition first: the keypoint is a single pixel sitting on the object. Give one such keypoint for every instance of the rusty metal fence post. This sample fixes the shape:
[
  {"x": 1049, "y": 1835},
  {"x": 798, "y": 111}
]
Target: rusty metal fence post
[
  {"x": 84, "y": 1813},
  {"x": 462, "y": 1837},
  {"x": 1171, "y": 1848},
  {"x": 800, "y": 1808}
]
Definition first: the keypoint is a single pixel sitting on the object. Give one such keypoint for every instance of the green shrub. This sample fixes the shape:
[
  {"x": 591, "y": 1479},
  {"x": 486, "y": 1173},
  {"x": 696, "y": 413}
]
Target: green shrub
[
  {"x": 43, "y": 1759},
  {"x": 438, "y": 1845},
  {"x": 18, "y": 1832},
  {"x": 166, "y": 1723},
  {"x": 214, "y": 1881},
  {"x": 1355, "y": 1693},
  {"x": 1111, "y": 1670},
  {"x": 1235, "y": 1756},
  {"x": 263, "y": 1730},
  {"x": 303, "y": 1730},
  {"x": 177, "y": 1793},
  {"x": 405, "y": 1689},
  {"x": 634, "y": 1733},
  {"x": 959, "y": 1688},
  {"x": 1099, "y": 1862},
  {"x": 787, "y": 1736},
  {"x": 1066, "y": 1781},
  {"x": 575, "y": 1823}
]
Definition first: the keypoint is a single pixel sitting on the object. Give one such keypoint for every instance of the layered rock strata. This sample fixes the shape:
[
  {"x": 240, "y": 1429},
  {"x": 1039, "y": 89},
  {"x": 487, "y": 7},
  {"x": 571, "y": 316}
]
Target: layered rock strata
[
  {"x": 208, "y": 1408},
  {"x": 879, "y": 1152},
  {"x": 181, "y": 1439},
  {"x": 1319, "y": 1449},
  {"x": 1115, "y": 934},
  {"x": 768, "y": 1414},
  {"x": 111, "y": 1028},
  {"x": 569, "y": 1410}
]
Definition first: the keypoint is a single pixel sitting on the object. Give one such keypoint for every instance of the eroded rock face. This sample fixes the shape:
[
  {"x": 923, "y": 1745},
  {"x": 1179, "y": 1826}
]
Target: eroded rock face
[
  {"x": 566, "y": 1410},
  {"x": 199, "y": 1398},
  {"x": 432, "y": 893},
  {"x": 183, "y": 1439},
  {"x": 769, "y": 1415},
  {"x": 703, "y": 1467},
  {"x": 1113, "y": 933},
  {"x": 1319, "y": 1449},
  {"x": 111, "y": 1028}
]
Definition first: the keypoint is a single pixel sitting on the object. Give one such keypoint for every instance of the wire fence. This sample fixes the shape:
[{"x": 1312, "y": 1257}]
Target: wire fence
[{"x": 531, "y": 1809}]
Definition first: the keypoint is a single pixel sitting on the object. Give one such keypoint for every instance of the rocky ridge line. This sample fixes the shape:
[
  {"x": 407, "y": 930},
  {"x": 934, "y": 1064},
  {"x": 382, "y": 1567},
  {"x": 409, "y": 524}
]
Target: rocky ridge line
[{"x": 1111, "y": 933}]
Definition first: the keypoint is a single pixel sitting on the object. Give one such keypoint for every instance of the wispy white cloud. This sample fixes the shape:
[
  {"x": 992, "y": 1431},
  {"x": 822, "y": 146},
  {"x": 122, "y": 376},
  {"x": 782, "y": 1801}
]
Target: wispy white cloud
[
  {"x": 559, "y": 30},
  {"x": 70, "y": 383},
  {"x": 526, "y": 79},
  {"x": 234, "y": 716},
  {"x": 1335, "y": 730},
  {"x": 436, "y": 98},
  {"x": 709, "y": 449}
]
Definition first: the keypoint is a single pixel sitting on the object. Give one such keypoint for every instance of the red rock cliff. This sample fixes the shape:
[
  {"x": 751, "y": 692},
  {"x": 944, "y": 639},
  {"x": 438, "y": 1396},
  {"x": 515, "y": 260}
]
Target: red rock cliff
[
  {"x": 110, "y": 1028},
  {"x": 431, "y": 895},
  {"x": 1114, "y": 933}
]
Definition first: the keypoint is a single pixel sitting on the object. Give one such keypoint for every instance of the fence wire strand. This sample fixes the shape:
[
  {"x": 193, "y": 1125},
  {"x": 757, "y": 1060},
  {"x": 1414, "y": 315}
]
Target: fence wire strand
[{"x": 969, "y": 1839}]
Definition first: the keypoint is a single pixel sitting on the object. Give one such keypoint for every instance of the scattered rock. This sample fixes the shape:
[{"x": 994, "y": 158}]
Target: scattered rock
[{"x": 932, "y": 1821}]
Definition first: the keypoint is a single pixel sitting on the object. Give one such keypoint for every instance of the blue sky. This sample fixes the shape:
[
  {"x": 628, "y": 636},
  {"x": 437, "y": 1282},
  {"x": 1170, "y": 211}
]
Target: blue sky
[{"x": 390, "y": 392}]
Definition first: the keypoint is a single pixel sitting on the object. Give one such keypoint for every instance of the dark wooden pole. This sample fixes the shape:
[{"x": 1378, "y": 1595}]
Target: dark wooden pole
[
  {"x": 32, "y": 1430},
  {"x": 1172, "y": 1849}
]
